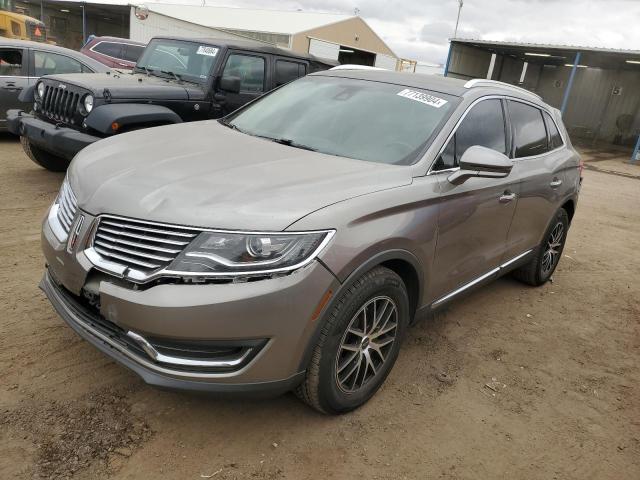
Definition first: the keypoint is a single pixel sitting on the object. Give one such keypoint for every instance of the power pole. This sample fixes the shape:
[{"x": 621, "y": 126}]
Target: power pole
[{"x": 460, "y": 5}]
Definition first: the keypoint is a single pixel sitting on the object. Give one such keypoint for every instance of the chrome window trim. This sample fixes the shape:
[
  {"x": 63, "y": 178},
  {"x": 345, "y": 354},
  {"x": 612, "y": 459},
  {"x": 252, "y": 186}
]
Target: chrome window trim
[
  {"x": 431, "y": 171},
  {"x": 137, "y": 276},
  {"x": 479, "y": 279}
]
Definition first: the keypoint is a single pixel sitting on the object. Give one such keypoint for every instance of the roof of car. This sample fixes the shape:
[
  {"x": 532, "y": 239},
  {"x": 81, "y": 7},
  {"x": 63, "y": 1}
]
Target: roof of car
[
  {"x": 11, "y": 42},
  {"x": 452, "y": 86},
  {"x": 437, "y": 83},
  {"x": 250, "y": 45},
  {"x": 115, "y": 39}
]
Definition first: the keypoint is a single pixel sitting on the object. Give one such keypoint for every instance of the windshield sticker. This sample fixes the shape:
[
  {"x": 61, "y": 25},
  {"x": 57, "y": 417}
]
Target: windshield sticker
[
  {"x": 422, "y": 98},
  {"x": 209, "y": 51}
]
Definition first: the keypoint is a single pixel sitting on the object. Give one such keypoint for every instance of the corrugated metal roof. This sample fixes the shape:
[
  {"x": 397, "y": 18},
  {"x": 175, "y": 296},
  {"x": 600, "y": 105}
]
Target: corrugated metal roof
[
  {"x": 544, "y": 46},
  {"x": 254, "y": 20}
]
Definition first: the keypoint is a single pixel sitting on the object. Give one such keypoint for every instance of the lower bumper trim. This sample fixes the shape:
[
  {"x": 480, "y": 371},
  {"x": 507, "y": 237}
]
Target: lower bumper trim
[{"x": 151, "y": 373}]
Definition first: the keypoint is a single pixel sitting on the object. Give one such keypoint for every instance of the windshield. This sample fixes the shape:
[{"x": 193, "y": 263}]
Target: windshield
[
  {"x": 365, "y": 120},
  {"x": 189, "y": 61}
]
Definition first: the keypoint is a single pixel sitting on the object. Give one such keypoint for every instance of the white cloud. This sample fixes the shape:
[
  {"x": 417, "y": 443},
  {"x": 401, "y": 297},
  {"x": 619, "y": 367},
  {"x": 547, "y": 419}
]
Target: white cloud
[{"x": 419, "y": 29}]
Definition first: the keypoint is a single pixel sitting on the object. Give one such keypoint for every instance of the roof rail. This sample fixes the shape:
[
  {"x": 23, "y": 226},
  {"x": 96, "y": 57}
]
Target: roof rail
[
  {"x": 347, "y": 66},
  {"x": 483, "y": 82}
]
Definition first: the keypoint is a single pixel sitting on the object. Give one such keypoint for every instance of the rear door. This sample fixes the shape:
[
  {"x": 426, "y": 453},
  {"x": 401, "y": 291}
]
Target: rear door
[
  {"x": 474, "y": 217},
  {"x": 13, "y": 79},
  {"x": 540, "y": 160},
  {"x": 286, "y": 70},
  {"x": 251, "y": 69}
]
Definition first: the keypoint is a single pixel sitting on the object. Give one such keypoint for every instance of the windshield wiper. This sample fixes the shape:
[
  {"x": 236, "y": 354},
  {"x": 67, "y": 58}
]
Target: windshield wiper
[
  {"x": 290, "y": 143},
  {"x": 147, "y": 70},
  {"x": 175, "y": 75}
]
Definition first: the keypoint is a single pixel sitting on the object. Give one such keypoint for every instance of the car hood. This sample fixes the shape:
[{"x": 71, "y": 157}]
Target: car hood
[
  {"x": 205, "y": 174},
  {"x": 131, "y": 86}
]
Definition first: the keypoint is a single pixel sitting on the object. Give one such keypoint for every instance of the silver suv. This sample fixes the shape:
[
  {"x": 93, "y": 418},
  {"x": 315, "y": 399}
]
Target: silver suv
[{"x": 290, "y": 245}]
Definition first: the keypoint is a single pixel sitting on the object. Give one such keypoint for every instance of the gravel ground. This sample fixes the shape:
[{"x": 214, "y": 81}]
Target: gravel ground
[{"x": 510, "y": 382}]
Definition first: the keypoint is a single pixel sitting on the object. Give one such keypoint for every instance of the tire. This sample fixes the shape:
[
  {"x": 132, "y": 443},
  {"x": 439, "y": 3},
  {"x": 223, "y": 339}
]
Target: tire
[
  {"x": 326, "y": 387},
  {"x": 43, "y": 158},
  {"x": 541, "y": 267}
]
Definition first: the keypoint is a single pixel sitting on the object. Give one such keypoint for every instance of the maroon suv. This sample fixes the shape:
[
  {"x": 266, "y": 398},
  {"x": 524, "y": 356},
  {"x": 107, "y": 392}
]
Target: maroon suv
[{"x": 113, "y": 51}]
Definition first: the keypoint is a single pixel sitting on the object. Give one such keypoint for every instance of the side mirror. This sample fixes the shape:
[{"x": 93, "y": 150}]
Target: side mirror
[
  {"x": 481, "y": 162},
  {"x": 230, "y": 84}
]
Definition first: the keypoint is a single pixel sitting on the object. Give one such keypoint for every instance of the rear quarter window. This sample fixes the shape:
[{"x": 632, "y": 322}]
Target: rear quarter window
[
  {"x": 529, "y": 132},
  {"x": 555, "y": 139}
]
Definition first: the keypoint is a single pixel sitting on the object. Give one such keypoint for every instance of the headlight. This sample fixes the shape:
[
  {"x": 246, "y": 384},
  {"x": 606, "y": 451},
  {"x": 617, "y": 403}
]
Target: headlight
[
  {"x": 88, "y": 103},
  {"x": 40, "y": 89},
  {"x": 237, "y": 253}
]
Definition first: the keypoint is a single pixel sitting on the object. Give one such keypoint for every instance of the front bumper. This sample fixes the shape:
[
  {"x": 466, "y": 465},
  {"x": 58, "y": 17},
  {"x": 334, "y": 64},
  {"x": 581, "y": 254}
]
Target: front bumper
[
  {"x": 275, "y": 317},
  {"x": 62, "y": 141}
]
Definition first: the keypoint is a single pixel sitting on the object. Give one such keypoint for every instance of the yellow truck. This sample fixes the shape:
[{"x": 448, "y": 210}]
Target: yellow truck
[{"x": 21, "y": 27}]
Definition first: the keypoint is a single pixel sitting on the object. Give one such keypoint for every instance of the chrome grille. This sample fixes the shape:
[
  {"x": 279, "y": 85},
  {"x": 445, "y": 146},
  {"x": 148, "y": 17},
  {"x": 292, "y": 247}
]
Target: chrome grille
[
  {"x": 143, "y": 246},
  {"x": 60, "y": 104},
  {"x": 67, "y": 207}
]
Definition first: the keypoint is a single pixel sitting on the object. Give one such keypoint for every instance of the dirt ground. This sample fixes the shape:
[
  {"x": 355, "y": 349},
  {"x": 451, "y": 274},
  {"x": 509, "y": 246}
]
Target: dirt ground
[{"x": 544, "y": 382}]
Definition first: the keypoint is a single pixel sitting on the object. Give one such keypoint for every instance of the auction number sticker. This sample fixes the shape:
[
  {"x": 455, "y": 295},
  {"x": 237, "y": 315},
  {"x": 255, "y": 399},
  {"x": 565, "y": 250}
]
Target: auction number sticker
[
  {"x": 422, "y": 98},
  {"x": 209, "y": 51}
]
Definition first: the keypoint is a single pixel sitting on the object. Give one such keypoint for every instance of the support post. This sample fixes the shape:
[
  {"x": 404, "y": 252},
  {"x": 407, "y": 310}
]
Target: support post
[
  {"x": 492, "y": 64},
  {"x": 567, "y": 91},
  {"x": 84, "y": 24},
  {"x": 446, "y": 65},
  {"x": 636, "y": 152}
]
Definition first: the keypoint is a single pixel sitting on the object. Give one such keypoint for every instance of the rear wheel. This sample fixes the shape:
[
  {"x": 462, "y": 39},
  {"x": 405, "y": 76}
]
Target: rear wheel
[
  {"x": 548, "y": 254},
  {"x": 359, "y": 343},
  {"x": 43, "y": 158}
]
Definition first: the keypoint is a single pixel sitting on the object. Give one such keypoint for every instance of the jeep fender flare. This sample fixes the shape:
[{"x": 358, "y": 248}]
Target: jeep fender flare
[{"x": 103, "y": 117}]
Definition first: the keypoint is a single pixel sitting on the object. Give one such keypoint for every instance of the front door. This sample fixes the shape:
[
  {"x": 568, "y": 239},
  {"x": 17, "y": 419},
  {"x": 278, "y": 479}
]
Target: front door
[
  {"x": 474, "y": 217},
  {"x": 13, "y": 79},
  {"x": 251, "y": 69}
]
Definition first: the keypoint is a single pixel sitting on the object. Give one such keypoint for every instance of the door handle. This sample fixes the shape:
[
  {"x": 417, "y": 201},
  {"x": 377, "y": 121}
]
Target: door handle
[
  {"x": 507, "y": 197},
  {"x": 555, "y": 183}
]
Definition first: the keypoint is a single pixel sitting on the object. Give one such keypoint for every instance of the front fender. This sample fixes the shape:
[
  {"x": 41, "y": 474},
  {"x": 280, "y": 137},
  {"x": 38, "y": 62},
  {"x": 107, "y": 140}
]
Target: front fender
[
  {"x": 103, "y": 117},
  {"x": 26, "y": 95}
]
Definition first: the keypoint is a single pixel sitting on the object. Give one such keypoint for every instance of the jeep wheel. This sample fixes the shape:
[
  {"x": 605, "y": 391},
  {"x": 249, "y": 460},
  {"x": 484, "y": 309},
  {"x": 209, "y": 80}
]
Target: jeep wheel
[
  {"x": 358, "y": 345},
  {"x": 43, "y": 158},
  {"x": 548, "y": 254}
]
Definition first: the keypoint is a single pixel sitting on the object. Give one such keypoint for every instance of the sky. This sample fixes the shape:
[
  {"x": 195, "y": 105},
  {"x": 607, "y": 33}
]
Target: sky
[{"x": 420, "y": 29}]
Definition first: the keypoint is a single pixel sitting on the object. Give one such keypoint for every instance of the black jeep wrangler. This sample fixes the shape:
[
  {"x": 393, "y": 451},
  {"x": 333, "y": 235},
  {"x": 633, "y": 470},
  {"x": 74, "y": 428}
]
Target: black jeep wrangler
[{"x": 175, "y": 80}]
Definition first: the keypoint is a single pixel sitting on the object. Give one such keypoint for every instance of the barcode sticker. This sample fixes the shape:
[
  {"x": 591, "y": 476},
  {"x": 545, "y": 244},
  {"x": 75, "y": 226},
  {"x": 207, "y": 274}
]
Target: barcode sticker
[
  {"x": 210, "y": 51},
  {"x": 421, "y": 97}
]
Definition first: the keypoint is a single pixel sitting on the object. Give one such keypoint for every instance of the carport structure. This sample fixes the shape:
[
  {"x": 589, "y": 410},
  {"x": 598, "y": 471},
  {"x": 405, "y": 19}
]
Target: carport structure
[{"x": 597, "y": 89}]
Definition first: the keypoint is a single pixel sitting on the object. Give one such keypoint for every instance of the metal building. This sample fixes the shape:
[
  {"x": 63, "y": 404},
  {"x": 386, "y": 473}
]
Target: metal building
[
  {"x": 345, "y": 38},
  {"x": 597, "y": 89}
]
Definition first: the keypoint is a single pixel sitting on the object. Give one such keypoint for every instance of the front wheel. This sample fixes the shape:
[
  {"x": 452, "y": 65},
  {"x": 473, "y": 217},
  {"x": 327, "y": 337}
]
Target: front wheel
[
  {"x": 359, "y": 343},
  {"x": 43, "y": 158},
  {"x": 539, "y": 270}
]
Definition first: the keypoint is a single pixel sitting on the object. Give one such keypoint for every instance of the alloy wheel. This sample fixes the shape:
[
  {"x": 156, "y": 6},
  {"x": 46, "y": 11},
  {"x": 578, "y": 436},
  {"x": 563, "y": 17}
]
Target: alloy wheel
[
  {"x": 551, "y": 254},
  {"x": 366, "y": 343}
]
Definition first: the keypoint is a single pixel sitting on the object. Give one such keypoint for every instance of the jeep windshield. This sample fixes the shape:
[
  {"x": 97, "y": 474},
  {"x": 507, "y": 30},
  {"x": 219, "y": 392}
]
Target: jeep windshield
[
  {"x": 177, "y": 59},
  {"x": 360, "y": 119}
]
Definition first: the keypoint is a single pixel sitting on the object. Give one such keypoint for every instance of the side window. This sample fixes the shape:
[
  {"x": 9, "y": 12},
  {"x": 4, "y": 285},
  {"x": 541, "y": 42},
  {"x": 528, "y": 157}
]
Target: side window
[
  {"x": 484, "y": 126},
  {"x": 47, "y": 63},
  {"x": 110, "y": 49},
  {"x": 132, "y": 53},
  {"x": 287, "y": 71},
  {"x": 15, "y": 29},
  {"x": 10, "y": 62},
  {"x": 249, "y": 69},
  {"x": 555, "y": 140},
  {"x": 529, "y": 133}
]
